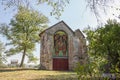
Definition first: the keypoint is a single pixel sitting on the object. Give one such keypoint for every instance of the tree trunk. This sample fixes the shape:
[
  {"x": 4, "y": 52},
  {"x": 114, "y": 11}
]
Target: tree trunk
[{"x": 23, "y": 57}]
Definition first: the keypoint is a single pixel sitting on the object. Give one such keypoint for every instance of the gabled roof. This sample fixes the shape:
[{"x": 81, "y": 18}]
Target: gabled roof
[
  {"x": 78, "y": 30},
  {"x": 55, "y": 25}
]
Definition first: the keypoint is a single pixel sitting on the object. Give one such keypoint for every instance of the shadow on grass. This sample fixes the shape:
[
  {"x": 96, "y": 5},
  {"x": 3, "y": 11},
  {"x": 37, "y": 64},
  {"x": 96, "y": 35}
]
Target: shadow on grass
[
  {"x": 23, "y": 69},
  {"x": 14, "y": 69},
  {"x": 57, "y": 77},
  {"x": 72, "y": 78}
]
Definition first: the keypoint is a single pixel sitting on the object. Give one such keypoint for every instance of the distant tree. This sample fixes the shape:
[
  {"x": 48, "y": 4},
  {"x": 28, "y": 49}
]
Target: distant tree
[
  {"x": 105, "y": 42},
  {"x": 2, "y": 56},
  {"x": 23, "y": 31}
]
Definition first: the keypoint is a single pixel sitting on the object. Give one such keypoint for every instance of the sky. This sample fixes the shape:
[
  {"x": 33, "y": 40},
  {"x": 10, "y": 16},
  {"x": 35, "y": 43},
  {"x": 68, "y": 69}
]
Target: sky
[{"x": 75, "y": 15}]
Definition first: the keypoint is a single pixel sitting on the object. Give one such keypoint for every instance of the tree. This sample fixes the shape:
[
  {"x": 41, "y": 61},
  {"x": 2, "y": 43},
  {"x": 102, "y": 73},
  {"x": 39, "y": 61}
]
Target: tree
[
  {"x": 105, "y": 42},
  {"x": 57, "y": 5},
  {"x": 96, "y": 6},
  {"x": 23, "y": 32},
  {"x": 2, "y": 56}
]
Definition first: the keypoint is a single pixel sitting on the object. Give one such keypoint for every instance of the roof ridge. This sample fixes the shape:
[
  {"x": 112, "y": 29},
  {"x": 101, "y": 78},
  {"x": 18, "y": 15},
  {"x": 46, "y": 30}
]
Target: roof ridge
[{"x": 55, "y": 25}]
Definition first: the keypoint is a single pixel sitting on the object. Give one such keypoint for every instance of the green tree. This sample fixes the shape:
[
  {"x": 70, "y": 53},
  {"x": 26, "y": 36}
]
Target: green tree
[
  {"x": 23, "y": 31},
  {"x": 105, "y": 42}
]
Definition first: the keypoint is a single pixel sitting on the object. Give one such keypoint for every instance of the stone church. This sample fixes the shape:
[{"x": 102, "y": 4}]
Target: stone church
[{"x": 61, "y": 47}]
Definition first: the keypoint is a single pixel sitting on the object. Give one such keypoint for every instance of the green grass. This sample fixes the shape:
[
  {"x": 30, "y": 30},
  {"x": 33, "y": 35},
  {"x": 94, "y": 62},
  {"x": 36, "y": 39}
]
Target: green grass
[{"x": 27, "y": 74}]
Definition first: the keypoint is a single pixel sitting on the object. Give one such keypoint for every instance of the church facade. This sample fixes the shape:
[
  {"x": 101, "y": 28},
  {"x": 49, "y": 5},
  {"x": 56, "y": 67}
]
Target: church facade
[{"x": 61, "y": 47}]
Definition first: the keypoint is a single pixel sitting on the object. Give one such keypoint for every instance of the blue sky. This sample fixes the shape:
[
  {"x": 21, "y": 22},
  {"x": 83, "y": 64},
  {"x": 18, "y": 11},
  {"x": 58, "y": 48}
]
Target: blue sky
[{"x": 75, "y": 14}]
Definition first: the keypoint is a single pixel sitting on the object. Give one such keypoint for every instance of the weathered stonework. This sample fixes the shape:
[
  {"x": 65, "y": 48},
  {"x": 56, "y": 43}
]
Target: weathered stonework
[{"x": 76, "y": 46}]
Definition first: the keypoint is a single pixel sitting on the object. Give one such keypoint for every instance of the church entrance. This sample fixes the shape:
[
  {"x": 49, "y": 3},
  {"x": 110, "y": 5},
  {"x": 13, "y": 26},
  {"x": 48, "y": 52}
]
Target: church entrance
[
  {"x": 60, "y": 64},
  {"x": 60, "y": 54}
]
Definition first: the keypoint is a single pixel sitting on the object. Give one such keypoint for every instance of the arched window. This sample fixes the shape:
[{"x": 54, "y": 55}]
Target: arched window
[{"x": 60, "y": 44}]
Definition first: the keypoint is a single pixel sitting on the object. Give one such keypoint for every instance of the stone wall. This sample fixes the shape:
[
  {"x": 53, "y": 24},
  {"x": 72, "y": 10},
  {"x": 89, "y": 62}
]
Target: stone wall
[
  {"x": 77, "y": 52},
  {"x": 71, "y": 53},
  {"x": 46, "y": 53}
]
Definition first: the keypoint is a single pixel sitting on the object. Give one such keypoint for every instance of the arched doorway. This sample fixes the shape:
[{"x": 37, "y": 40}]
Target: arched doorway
[{"x": 60, "y": 55}]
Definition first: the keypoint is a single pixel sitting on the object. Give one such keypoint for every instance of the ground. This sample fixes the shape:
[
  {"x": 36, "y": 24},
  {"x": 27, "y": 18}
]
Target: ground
[{"x": 30, "y": 74}]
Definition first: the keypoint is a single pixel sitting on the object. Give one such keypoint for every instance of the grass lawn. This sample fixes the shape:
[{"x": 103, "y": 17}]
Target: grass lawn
[{"x": 27, "y": 74}]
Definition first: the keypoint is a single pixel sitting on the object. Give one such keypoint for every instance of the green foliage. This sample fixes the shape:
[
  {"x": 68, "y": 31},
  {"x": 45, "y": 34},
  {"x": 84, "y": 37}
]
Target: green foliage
[
  {"x": 57, "y": 5},
  {"x": 105, "y": 42},
  {"x": 91, "y": 69},
  {"x": 103, "y": 49},
  {"x": 22, "y": 32}
]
